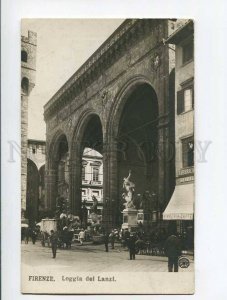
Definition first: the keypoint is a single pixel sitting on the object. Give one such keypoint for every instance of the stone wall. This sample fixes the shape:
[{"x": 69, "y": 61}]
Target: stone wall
[{"x": 28, "y": 68}]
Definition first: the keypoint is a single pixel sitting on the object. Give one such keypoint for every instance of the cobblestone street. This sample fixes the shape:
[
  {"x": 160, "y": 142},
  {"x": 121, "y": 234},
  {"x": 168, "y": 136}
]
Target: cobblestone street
[{"x": 92, "y": 258}]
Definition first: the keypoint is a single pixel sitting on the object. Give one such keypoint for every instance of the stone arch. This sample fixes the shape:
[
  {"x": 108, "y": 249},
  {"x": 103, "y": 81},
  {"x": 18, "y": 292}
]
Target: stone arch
[
  {"x": 52, "y": 148},
  {"x": 56, "y": 148},
  {"x": 81, "y": 125},
  {"x": 125, "y": 96},
  {"x": 120, "y": 100},
  {"x": 80, "y": 140}
]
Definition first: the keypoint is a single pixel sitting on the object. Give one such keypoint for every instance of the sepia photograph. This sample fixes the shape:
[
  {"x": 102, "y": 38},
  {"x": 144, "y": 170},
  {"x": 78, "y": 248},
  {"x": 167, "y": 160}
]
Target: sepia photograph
[{"x": 107, "y": 156}]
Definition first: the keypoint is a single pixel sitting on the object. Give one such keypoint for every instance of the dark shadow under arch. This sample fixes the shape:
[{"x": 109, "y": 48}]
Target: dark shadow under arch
[{"x": 32, "y": 199}]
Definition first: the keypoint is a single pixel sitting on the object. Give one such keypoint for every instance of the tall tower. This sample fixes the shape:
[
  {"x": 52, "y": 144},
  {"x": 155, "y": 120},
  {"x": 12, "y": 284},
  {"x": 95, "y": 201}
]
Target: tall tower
[{"x": 28, "y": 72}]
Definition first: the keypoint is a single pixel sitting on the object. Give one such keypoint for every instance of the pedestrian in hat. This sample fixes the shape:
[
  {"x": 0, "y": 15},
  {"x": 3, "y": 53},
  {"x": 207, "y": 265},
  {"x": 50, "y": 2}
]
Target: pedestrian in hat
[
  {"x": 106, "y": 241},
  {"x": 54, "y": 242},
  {"x": 132, "y": 247},
  {"x": 172, "y": 250}
]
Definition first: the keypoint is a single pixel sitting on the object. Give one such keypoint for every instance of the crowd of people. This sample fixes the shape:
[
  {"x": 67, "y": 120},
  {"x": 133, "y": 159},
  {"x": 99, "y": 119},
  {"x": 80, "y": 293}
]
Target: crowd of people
[
  {"x": 28, "y": 233},
  {"x": 171, "y": 242}
]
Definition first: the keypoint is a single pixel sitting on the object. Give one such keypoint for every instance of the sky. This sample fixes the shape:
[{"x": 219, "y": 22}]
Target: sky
[{"x": 63, "y": 45}]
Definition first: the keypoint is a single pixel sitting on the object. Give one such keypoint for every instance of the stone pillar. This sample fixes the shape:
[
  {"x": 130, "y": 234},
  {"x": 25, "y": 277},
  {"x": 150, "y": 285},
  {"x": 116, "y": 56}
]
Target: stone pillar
[
  {"x": 51, "y": 189},
  {"x": 164, "y": 128},
  {"x": 166, "y": 154},
  {"x": 110, "y": 180},
  {"x": 161, "y": 164},
  {"x": 75, "y": 184}
]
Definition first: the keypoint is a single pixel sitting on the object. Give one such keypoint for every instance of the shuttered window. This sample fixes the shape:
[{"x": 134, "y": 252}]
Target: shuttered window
[
  {"x": 180, "y": 102},
  {"x": 185, "y": 100}
]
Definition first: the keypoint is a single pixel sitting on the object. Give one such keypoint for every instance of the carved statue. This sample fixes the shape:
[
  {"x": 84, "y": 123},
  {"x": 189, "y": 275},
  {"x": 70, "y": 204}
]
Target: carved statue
[
  {"x": 129, "y": 188},
  {"x": 94, "y": 208}
]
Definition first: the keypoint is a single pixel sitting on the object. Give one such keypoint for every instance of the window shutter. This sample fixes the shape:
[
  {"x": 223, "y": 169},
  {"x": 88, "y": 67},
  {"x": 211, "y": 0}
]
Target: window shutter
[{"x": 180, "y": 101}]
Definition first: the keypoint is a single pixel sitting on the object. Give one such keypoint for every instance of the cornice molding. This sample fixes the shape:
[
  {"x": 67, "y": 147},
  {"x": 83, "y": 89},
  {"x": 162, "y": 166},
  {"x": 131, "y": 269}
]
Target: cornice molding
[{"x": 126, "y": 34}]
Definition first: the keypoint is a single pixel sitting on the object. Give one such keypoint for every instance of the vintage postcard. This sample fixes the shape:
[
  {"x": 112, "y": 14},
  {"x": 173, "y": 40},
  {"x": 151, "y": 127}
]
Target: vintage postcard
[{"x": 107, "y": 156}]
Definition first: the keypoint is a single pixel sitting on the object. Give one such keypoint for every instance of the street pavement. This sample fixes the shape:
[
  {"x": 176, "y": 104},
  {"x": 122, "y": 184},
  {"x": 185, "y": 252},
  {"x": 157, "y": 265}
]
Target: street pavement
[{"x": 92, "y": 258}]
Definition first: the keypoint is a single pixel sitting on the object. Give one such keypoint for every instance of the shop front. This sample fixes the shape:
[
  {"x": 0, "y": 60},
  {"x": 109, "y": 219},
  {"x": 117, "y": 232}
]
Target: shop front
[{"x": 181, "y": 210}]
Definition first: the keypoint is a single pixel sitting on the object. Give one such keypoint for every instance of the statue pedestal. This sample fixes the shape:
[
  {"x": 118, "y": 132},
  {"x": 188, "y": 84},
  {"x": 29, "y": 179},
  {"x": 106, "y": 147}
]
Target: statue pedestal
[
  {"x": 129, "y": 218},
  {"x": 143, "y": 217}
]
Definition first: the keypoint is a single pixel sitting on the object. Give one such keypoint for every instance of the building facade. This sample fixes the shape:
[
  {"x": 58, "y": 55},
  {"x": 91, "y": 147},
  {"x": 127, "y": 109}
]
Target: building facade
[
  {"x": 119, "y": 103},
  {"x": 181, "y": 206},
  {"x": 28, "y": 72},
  {"x": 92, "y": 179}
]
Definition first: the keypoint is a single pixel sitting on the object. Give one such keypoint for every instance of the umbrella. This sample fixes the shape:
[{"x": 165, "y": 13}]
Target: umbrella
[{"x": 24, "y": 225}]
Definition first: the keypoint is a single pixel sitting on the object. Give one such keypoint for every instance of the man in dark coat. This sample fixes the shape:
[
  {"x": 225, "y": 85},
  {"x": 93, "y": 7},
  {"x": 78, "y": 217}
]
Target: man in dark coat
[
  {"x": 106, "y": 241},
  {"x": 173, "y": 251},
  {"x": 132, "y": 246},
  {"x": 126, "y": 236},
  {"x": 33, "y": 236},
  {"x": 54, "y": 242},
  {"x": 27, "y": 234}
]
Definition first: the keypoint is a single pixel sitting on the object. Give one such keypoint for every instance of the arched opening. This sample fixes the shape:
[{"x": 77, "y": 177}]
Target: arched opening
[
  {"x": 137, "y": 144},
  {"x": 24, "y": 56},
  {"x": 25, "y": 85},
  {"x": 32, "y": 201},
  {"x": 92, "y": 180},
  {"x": 87, "y": 166}
]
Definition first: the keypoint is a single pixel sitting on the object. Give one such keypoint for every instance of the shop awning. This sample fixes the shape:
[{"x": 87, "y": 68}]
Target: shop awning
[{"x": 181, "y": 205}]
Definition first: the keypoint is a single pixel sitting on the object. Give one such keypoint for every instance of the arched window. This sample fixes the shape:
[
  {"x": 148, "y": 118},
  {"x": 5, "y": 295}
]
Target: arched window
[
  {"x": 24, "y": 56},
  {"x": 25, "y": 85}
]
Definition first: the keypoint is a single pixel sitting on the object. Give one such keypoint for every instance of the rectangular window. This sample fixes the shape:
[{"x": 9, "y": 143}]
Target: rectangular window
[
  {"x": 188, "y": 105},
  {"x": 95, "y": 174},
  {"x": 185, "y": 100},
  {"x": 187, "y": 50},
  {"x": 188, "y": 152}
]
